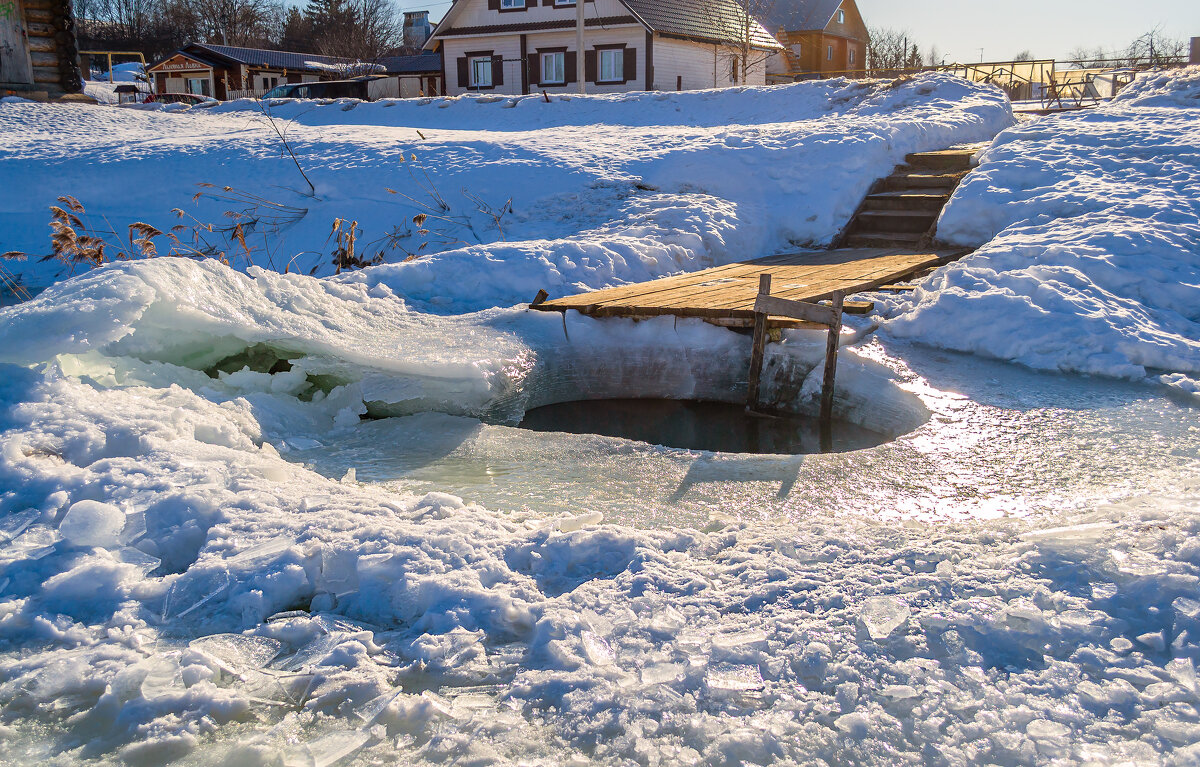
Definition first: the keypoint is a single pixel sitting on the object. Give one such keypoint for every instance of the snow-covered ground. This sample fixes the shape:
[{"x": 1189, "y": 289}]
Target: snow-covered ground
[
  {"x": 1088, "y": 228},
  {"x": 603, "y": 190},
  {"x": 208, "y": 556}
]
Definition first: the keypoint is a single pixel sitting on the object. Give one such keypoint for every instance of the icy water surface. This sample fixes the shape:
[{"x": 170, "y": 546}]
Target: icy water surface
[
  {"x": 711, "y": 426},
  {"x": 1003, "y": 441}
]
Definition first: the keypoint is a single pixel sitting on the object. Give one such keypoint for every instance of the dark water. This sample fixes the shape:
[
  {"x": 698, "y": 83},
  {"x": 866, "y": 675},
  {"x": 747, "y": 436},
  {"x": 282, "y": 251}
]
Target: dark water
[{"x": 691, "y": 425}]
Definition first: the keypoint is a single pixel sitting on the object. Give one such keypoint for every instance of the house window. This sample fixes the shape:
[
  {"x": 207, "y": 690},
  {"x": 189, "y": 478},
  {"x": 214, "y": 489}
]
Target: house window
[
  {"x": 560, "y": 3},
  {"x": 198, "y": 86},
  {"x": 508, "y": 4},
  {"x": 269, "y": 82},
  {"x": 841, "y": 16},
  {"x": 481, "y": 72},
  {"x": 733, "y": 78},
  {"x": 554, "y": 68},
  {"x": 829, "y": 53},
  {"x": 612, "y": 65},
  {"x": 851, "y": 55}
]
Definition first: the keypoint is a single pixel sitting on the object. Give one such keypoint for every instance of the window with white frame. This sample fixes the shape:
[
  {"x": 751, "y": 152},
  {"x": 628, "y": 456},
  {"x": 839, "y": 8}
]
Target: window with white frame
[
  {"x": 554, "y": 69},
  {"x": 829, "y": 53},
  {"x": 560, "y": 3},
  {"x": 841, "y": 16},
  {"x": 512, "y": 3},
  {"x": 851, "y": 55},
  {"x": 612, "y": 65},
  {"x": 481, "y": 72}
]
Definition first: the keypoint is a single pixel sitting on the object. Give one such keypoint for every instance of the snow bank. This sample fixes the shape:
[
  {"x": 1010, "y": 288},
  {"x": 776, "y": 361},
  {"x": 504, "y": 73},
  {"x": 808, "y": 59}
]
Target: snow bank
[
  {"x": 603, "y": 189},
  {"x": 174, "y": 589},
  {"x": 1089, "y": 246}
]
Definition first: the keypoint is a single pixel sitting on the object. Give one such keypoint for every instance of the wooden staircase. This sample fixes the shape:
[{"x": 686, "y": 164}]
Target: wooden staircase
[{"x": 902, "y": 210}]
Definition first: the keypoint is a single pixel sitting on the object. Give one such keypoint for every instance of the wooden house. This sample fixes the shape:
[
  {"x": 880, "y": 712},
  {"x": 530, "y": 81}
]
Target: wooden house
[
  {"x": 225, "y": 72},
  {"x": 527, "y": 46},
  {"x": 39, "y": 56},
  {"x": 819, "y": 37}
]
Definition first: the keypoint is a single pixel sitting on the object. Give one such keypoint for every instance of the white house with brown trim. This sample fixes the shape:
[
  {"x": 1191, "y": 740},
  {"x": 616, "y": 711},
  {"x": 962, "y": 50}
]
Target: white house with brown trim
[{"x": 528, "y": 46}]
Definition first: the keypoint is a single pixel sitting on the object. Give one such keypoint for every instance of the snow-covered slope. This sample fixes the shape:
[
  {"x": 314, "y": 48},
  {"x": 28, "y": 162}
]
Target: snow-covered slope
[
  {"x": 1089, "y": 227},
  {"x": 603, "y": 189}
]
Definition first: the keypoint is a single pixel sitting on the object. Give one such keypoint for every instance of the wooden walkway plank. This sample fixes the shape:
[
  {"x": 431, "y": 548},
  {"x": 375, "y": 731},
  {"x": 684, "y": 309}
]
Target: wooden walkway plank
[{"x": 726, "y": 294}]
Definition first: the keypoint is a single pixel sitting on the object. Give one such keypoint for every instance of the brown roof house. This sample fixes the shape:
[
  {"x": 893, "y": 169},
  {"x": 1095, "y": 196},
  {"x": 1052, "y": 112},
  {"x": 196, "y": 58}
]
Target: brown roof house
[
  {"x": 39, "y": 57},
  {"x": 820, "y": 37},
  {"x": 528, "y": 46}
]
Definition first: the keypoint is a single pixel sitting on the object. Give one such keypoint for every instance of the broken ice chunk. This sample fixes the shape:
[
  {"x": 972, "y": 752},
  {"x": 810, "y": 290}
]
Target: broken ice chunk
[
  {"x": 339, "y": 571},
  {"x": 325, "y": 750},
  {"x": 13, "y": 525},
  {"x": 139, "y": 559},
  {"x": 92, "y": 523},
  {"x": 300, "y": 443},
  {"x": 193, "y": 591},
  {"x": 314, "y": 652},
  {"x": 163, "y": 676},
  {"x": 727, "y": 677},
  {"x": 883, "y": 615},
  {"x": 350, "y": 477},
  {"x": 265, "y": 550},
  {"x": 238, "y": 653},
  {"x": 659, "y": 673},
  {"x": 597, "y": 648}
]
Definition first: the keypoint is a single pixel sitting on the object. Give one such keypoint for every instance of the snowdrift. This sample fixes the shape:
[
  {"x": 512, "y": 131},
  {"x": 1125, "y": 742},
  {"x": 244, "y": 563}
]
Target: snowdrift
[
  {"x": 1089, "y": 243},
  {"x": 603, "y": 190},
  {"x": 178, "y": 586}
]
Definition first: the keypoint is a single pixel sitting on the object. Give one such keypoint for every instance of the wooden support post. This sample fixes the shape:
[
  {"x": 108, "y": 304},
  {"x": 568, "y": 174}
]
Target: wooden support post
[
  {"x": 760, "y": 344},
  {"x": 831, "y": 354}
]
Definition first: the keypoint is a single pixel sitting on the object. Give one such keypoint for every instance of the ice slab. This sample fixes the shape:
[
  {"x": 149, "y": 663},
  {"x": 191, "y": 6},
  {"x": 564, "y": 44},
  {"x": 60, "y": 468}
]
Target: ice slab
[
  {"x": 238, "y": 653},
  {"x": 883, "y": 615},
  {"x": 729, "y": 677},
  {"x": 92, "y": 523},
  {"x": 597, "y": 648}
]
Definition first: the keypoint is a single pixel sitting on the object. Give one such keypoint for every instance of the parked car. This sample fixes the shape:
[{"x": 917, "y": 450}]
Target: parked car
[
  {"x": 368, "y": 88},
  {"x": 180, "y": 98}
]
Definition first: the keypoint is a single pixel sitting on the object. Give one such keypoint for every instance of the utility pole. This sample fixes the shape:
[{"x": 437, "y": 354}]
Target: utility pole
[{"x": 579, "y": 47}]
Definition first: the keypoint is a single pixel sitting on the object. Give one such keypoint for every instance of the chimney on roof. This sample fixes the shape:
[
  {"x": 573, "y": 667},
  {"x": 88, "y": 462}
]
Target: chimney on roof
[{"x": 416, "y": 28}]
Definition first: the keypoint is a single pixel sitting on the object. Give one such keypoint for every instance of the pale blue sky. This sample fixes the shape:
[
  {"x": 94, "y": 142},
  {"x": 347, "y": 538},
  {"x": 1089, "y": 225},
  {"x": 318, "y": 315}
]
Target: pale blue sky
[
  {"x": 1047, "y": 28},
  {"x": 1004, "y": 28}
]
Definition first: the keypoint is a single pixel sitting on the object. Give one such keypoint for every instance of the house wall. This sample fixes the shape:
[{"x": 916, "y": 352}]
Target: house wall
[
  {"x": 687, "y": 65},
  {"x": 478, "y": 14},
  {"x": 508, "y": 48},
  {"x": 808, "y": 51}
]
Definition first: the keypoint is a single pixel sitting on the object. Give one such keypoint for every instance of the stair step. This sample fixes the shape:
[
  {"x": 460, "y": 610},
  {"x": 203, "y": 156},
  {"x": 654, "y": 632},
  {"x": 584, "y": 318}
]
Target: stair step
[
  {"x": 951, "y": 159},
  {"x": 905, "y": 199},
  {"x": 878, "y": 240},
  {"x": 916, "y": 180},
  {"x": 894, "y": 221}
]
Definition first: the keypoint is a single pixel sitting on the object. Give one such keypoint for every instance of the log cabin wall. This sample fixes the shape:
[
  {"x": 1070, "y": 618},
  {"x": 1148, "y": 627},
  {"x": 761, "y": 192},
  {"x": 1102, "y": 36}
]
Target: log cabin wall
[{"x": 46, "y": 32}]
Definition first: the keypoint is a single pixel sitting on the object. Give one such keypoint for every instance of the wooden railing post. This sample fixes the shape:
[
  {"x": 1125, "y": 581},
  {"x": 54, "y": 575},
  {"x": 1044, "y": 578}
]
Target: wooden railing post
[
  {"x": 831, "y": 354},
  {"x": 760, "y": 343}
]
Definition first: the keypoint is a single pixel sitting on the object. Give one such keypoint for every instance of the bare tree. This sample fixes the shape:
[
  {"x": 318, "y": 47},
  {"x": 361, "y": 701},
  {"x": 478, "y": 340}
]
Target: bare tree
[
  {"x": 1156, "y": 49},
  {"x": 1023, "y": 56},
  {"x": 888, "y": 49},
  {"x": 243, "y": 23},
  {"x": 359, "y": 29},
  {"x": 738, "y": 21}
]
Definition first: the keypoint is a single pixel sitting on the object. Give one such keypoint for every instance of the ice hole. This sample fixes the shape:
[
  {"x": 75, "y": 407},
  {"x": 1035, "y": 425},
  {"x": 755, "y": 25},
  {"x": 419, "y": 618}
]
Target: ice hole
[{"x": 719, "y": 427}]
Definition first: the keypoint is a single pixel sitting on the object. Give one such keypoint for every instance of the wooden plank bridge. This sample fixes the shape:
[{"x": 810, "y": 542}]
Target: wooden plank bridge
[{"x": 726, "y": 295}]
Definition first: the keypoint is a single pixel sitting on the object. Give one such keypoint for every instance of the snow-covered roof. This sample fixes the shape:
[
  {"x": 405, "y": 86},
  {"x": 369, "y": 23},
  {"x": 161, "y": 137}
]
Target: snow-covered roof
[{"x": 259, "y": 57}]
